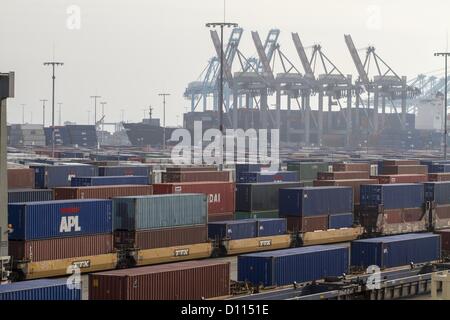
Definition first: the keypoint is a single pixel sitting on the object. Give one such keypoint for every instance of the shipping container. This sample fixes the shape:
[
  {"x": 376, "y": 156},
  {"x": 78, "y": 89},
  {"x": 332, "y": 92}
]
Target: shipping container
[
  {"x": 409, "y": 169},
  {"x": 401, "y": 178},
  {"x": 246, "y": 167},
  {"x": 439, "y": 168},
  {"x": 159, "y": 211},
  {"x": 124, "y": 171},
  {"x": 445, "y": 240},
  {"x": 307, "y": 171},
  {"x": 191, "y": 168},
  {"x": 393, "y": 196},
  {"x": 30, "y": 195},
  {"x": 20, "y": 178},
  {"x": 220, "y": 195},
  {"x": 192, "y": 280},
  {"x": 400, "y": 162},
  {"x": 233, "y": 230},
  {"x": 439, "y": 192},
  {"x": 195, "y": 176},
  {"x": 268, "y": 176},
  {"x": 271, "y": 227},
  {"x": 343, "y": 175},
  {"x": 60, "y": 175},
  {"x": 43, "y": 289},
  {"x": 284, "y": 267},
  {"x": 260, "y": 196},
  {"x": 351, "y": 167},
  {"x": 315, "y": 201},
  {"x": 161, "y": 238},
  {"x": 355, "y": 184},
  {"x": 102, "y": 192},
  {"x": 226, "y": 216},
  {"x": 307, "y": 224},
  {"x": 239, "y": 215},
  {"x": 60, "y": 248},
  {"x": 109, "y": 181},
  {"x": 394, "y": 251},
  {"x": 338, "y": 221},
  {"x": 442, "y": 176},
  {"x": 56, "y": 219}
]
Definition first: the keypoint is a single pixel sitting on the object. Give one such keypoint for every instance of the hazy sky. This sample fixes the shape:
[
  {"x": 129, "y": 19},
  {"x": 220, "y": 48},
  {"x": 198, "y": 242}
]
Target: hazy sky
[{"x": 128, "y": 51}]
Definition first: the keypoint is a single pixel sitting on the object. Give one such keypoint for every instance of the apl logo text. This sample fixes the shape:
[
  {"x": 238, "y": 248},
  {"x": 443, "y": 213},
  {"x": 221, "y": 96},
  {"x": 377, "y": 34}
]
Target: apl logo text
[{"x": 69, "y": 224}]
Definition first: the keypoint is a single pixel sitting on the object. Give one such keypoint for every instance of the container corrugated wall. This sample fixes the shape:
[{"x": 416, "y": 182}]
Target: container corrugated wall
[
  {"x": 44, "y": 289},
  {"x": 193, "y": 280},
  {"x": 30, "y": 195},
  {"x": 283, "y": 267},
  {"x": 61, "y": 175},
  {"x": 20, "y": 178},
  {"x": 439, "y": 192},
  {"x": 159, "y": 211},
  {"x": 261, "y": 177},
  {"x": 109, "y": 181},
  {"x": 124, "y": 171},
  {"x": 102, "y": 192},
  {"x": 393, "y": 196},
  {"x": 67, "y": 218}
]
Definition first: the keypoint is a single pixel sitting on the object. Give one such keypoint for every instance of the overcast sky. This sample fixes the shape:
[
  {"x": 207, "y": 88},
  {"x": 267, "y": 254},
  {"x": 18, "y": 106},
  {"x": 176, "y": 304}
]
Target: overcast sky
[{"x": 128, "y": 51}]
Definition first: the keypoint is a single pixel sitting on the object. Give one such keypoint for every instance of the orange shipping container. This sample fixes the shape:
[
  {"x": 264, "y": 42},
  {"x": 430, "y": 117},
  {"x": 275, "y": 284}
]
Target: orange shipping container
[
  {"x": 102, "y": 192},
  {"x": 351, "y": 167},
  {"x": 20, "y": 178}
]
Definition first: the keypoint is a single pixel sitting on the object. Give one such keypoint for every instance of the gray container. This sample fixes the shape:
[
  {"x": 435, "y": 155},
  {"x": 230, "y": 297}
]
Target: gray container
[{"x": 159, "y": 211}]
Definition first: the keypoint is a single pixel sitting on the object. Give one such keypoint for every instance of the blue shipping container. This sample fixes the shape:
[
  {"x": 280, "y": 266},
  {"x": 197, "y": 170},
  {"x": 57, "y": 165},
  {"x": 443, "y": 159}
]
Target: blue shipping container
[
  {"x": 30, "y": 195},
  {"x": 343, "y": 220},
  {"x": 246, "y": 167},
  {"x": 271, "y": 227},
  {"x": 437, "y": 168},
  {"x": 43, "y": 289},
  {"x": 315, "y": 201},
  {"x": 124, "y": 171},
  {"x": 110, "y": 181},
  {"x": 394, "y": 251},
  {"x": 60, "y": 175},
  {"x": 234, "y": 229},
  {"x": 283, "y": 267},
  {"x": 268, "y": 176},
  {"x": 393, "y": 196},
  {"x": 439, "y": 192},
  {"x": 56, "y": 219}
]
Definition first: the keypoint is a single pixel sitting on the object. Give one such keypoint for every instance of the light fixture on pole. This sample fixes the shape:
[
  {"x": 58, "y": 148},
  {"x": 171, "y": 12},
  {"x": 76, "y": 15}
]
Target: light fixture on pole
[
  {"x": 43, "y": 111},
  {"x": 164, "y": 95},
  {"x": 103, "y": 121},
  {"x": 53, "y": 64}
]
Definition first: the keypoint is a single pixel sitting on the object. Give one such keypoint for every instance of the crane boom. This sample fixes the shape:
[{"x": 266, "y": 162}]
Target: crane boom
[
  {"x": 218, "y": 47},
  {"x": 357, "y": 61},
  {"x": 302, "y": 54},
  {"x": 262, "y": 55}
]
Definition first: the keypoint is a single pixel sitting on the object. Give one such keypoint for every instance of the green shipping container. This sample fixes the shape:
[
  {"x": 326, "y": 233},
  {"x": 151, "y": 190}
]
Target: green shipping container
[
  {"x": 256, "y": 215},
  {"x": 307, "y": 171},
  {"x": 159, "y": 211}
]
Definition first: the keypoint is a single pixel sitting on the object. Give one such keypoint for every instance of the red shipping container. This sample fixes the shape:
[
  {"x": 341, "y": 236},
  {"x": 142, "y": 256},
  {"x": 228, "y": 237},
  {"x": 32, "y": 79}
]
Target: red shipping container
[
  {"x": 355, "y": 184},
  {"x": 407, "y": 169},
  {"x": 401, "y": 178},
  {"x": 351, "y": 167},
  {"x": 61, "y": 248},
  {"x": 227, "y": 216},
  {"x": 102, "y": 192},
  {"x": 412, "y": 214},
  {"x": 445, "y": 239},
  {"x": 161, "y": 238},
  {"x": 192, "y": 280},
  {"x": 195, "y": 176},
  {"x": 443, "y": 211},
  {"x": 221, "y": 195},
  {"x": 20, "y": 178},
  {"x": 191, "y": 169},
  {"x": 307, "y": 224},
  {"x": 442, "y": 176},
  {"x": 400, "y": 162},
  {"x": 343, "y": 175},
  {"x": 393, "y": 216}
]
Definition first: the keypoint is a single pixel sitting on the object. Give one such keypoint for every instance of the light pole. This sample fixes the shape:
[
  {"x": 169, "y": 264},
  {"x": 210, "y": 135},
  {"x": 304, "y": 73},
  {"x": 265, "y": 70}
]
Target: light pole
[
  {"x": 95, "y": 109},
  {"x": 122, "y": 111},
  {"x": 59, "y": 113},
  {"x": 43, "y": 111},
  {"x": 164, "y": 95},
  {"x": 103, "y": 121},
  {"x": 445, "y": 55},
  {"x": 89, "y": 116},
  {"x": 220, "y": 106},
  {"x": 53, "y": 64},
  {"x": 23, "y": 113}
]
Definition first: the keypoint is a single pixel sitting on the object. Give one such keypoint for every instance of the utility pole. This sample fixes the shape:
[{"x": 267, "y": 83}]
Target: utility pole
[
  {"x": 53, "y": 64},
  {"x": 23, "y": 113},
  {"x": 164, "y": 95},
  {"x": 59, "y": 113},
  {"x": 150, "y": 110},
  {"x": 95, "y": 109},
  {"x": 43, "y": 111},
  {"x": 103, "y": 121},
  {"x": 445, "y": 55},
  {"x": 221, "y": 25}
]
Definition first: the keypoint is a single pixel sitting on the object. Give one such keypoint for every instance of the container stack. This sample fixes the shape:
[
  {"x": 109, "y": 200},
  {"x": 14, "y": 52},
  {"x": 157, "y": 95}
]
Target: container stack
[
  {"x": 81, "y": 181},
  {"x": 307, "y": 171},
  {"x": 402, "y": 171},
  {"x": 393, "y": 208},
  {"x": 20, "y": 178},
  {"x": 52, "y": 176},
  {"x": 246, "y": 229},
  {"x": 309, "y": 209},
  {"x": 82, "y": 135},
  {"x": 158, "y": 221},
  {"x": 194, "y": 174},
  {"x": 220, "y": 195},
  {"x": 51, "y": 230},
  {"x": 102, "y": 192},
  {"x": 27, "y": 135},
  {"x": 438, "y": 196},
  {"x": 346, "y": 175},
  {"x": 259, "y": 200}
]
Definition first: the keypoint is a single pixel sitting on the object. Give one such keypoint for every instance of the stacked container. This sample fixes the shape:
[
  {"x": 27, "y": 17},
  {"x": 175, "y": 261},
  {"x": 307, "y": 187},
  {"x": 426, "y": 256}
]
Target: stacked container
[
  {"x": 268, "y": 176},
  {"x": 157, "y": 221},
  {"x": 307, "y": 171},
  {"x": 102, "y": 192},
  {"x": 310, "y": 209},
  {"x": 50, "y": 230},
  {"x": 109, "y": 181},
  {"x": 246, "y": 228},
  {"x": 437, "y": 194},
  {"x": 60, "y": 175},
  {"x": 30, "y": 195},
  {"x": 44, "y": 289},
  {"x": 22, "y": 178},
  {"x": 195, "y": 176}
]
